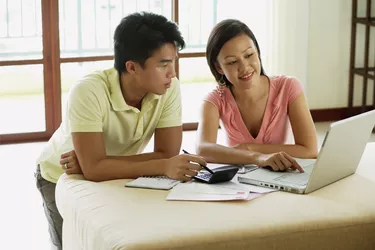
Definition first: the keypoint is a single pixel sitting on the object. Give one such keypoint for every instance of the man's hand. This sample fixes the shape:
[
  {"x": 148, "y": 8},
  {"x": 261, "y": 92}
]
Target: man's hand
[
  {"x": 69, "y": 163},
  {"x": 184, "y": 167},
  {"x": 280, "y": 161}
]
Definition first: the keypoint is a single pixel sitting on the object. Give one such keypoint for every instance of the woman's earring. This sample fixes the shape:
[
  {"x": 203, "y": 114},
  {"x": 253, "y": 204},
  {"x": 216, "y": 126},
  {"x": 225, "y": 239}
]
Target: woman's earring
[{"x": 221, "y": 86}]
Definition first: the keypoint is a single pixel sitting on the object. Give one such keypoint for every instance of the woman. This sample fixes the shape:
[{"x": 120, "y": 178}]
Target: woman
[{"x": 255, "y": 110}]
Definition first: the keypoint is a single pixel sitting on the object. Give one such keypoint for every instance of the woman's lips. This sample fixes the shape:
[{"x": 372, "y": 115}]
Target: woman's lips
[{"x": 247, "y": 76}]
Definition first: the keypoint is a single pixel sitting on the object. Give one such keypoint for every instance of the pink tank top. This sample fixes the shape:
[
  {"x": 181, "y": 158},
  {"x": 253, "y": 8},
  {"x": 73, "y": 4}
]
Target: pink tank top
[{"x": 275, "y": 125}]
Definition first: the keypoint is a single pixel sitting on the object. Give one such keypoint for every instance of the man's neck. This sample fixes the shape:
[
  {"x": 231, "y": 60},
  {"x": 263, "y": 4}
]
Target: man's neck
[{"x": 131, "y": 91}]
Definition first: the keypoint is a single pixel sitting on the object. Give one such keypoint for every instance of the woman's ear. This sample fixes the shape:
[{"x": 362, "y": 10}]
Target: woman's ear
[{"x": 218, "y": 68}]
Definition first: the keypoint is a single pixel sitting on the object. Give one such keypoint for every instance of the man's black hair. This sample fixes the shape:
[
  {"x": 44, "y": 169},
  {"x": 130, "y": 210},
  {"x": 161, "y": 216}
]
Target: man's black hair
[{"x": 139, "y": 34}]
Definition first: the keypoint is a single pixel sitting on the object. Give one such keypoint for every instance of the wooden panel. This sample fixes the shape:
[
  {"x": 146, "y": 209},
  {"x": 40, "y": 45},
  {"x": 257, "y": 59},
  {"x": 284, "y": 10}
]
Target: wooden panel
[
  {"x": 352, "y": 53},
  {"x": 86, "y": 59},
  {"x": 192, "y": 54},
  {"x": 51, "y": 57},
  {"x": 190, "y": 126},
  {"x": 21, "y": 62},
  {"x": 175, "y": 18},
  {"x": 335, "y": 114},
  {"x": 363, "y": 20},
  {"x": 24, "y": 137},
  {"x": 365, "y": 74}
]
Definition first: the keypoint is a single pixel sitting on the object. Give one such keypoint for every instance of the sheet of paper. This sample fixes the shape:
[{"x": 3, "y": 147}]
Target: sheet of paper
[
  {"x": 253, "y": 196},
  {"x": 173, "y": 195},
  {"x": 197, "y": 187},
  {"x": 194, "y": 191}
]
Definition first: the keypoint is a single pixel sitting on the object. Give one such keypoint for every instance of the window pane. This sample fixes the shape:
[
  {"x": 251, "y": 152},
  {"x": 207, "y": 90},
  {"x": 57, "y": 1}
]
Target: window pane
[
  {"x": 20, "y": 30},
  {"x": 207, "y": 13},
  {"x": 196, "y": 30},
  {"x": 87, "y": 27},
  {"x": 196, "y": 81},
  {"x": 73, "y": 72},
  {"x": 22, "y": 99}
]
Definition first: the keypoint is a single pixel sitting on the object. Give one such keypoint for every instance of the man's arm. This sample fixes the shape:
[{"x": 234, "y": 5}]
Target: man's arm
[
  {"x": 167, "y": 143},
  {"x": 97, "y": 166}
]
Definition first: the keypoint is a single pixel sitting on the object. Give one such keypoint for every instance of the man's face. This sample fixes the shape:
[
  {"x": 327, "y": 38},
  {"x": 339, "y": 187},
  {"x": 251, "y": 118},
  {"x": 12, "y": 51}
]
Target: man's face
[{"x": 159, "y": 69}]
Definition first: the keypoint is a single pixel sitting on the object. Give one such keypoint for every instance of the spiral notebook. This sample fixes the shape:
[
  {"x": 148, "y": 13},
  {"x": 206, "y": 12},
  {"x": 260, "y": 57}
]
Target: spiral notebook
[{"x": 153, "y": 182}]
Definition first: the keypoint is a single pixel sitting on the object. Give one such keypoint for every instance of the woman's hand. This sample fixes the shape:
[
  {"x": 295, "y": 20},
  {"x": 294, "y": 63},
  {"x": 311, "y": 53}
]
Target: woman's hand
[
  {"x": 183, "y": 167},
  {"x": 280, "y": 161},
  {"x": 69, "y": 163}
]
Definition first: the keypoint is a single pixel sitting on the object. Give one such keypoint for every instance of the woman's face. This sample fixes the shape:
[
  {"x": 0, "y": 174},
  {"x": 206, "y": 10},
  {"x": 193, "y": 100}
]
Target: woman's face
[{"x": 238, "y": 59}]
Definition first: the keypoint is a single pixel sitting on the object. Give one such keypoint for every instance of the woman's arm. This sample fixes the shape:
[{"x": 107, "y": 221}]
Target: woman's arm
[
  {"x": 207, "y": 136},
  {"x": 213, "y": 152},
  {"x": 303, "y": 130}
]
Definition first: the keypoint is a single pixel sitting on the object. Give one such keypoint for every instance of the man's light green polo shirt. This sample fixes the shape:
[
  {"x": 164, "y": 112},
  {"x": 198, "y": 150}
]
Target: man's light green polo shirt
[{"x": 96, "y": 104}]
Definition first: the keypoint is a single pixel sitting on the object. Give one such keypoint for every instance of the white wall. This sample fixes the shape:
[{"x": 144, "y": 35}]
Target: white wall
[
  {"x": 290, "y": 39},
  {"x": 329, "y": 53}
]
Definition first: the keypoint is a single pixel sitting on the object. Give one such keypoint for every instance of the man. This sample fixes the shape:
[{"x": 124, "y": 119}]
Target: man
[{"x": 112, "y": 114}]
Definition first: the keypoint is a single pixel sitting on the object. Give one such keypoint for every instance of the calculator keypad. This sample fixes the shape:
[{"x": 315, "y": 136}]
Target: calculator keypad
[{"x": 205, "y": 176}]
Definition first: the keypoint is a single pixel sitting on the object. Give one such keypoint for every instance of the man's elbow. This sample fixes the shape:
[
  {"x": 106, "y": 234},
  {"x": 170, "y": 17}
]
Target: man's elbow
[
  {"x": 92, "y": 174},
  {"x": 93, "y": 177}
]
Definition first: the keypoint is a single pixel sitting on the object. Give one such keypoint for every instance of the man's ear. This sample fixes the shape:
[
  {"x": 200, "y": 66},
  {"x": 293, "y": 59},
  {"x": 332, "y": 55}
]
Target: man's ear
[
  {"x": 218, "y": 68},
  {"x": 131, "y": 67}
]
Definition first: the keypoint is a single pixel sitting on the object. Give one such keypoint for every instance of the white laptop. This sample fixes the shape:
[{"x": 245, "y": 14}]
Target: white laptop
[{"x": 338, "y": 158}]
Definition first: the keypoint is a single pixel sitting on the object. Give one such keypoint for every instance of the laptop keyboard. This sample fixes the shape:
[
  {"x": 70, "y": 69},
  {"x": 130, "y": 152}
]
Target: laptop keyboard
[{"x": 297, "y": 178}]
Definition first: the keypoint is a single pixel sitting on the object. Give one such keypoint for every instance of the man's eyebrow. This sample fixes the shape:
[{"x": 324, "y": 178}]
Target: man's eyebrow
[
  {"x": 241, "y": 52},
  {"x": 167, "y": 60}
]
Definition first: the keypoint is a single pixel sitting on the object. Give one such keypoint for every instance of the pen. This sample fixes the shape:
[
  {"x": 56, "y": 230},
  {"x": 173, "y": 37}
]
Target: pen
[{"x": 206, "y": 168}]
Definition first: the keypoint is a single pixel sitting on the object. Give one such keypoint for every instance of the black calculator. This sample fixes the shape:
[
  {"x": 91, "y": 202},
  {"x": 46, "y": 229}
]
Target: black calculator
[{"x": 220, "y": 174}]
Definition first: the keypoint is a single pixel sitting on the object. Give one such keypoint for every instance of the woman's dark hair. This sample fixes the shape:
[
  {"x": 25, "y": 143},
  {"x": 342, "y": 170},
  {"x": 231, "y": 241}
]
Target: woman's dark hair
[
  {"x": 139, "y": 34},
  {"x": 222, "y": 33}
]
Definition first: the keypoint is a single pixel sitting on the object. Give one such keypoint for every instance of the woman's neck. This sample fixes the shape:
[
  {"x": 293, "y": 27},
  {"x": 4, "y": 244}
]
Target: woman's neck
[{"x": 257, "y": 92}]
